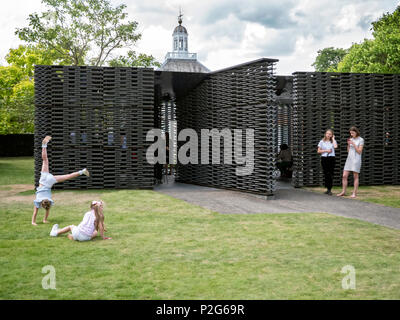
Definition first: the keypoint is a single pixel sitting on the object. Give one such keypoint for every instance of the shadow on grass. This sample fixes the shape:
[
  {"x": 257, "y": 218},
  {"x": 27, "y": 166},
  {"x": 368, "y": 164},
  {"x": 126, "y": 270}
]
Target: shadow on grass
[{"x": 6, "y": 165}]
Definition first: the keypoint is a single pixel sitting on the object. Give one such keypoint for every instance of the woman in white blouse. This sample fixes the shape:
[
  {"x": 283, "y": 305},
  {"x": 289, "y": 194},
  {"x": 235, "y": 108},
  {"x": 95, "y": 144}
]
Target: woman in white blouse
[
  {"x": 355, "y": 145},
  {"x": 326, "y": 148}
]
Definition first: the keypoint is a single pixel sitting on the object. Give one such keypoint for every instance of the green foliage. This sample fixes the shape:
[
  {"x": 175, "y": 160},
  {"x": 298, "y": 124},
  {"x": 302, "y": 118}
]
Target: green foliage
[
  {"x": 26, "y": 57},
  {"x": 134, "y": 60},
  {"x": 328, "y": 59},
  {"x": 380, "y": 54},
  {"x": 17, "y": 88},
  {"x": 17, "y": 109},
  {"x": 9, "y": 77},
  {"x": 81, "y": 31},
  {"x": 21, "y": 111}
]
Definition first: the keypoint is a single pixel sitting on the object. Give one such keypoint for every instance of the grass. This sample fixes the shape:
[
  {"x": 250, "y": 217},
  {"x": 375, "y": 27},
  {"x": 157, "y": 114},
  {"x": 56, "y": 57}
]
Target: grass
[
  {"x": 16, "y": 171},
  {"x": 164, "y": 248},
  {"x": 386, "y": 195}
]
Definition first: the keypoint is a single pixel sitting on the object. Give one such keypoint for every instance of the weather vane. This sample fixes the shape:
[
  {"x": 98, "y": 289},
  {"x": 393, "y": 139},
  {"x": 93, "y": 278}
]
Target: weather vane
[{"x": 180, "y": 16}]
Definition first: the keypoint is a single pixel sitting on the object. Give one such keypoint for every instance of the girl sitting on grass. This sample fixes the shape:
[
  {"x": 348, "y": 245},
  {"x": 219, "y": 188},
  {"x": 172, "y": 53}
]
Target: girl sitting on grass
[
  {"x": 91, "y": 225},
  {"x": 46, "y": 182}
]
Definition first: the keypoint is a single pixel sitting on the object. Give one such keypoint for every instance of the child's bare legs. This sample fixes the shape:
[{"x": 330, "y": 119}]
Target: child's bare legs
[
  {"x": 356, "y": 183},
  {"x": 67, "y": 176},
  {"x": 45, "y": 165},
  {"x": 65, "y": 230},
  {"x": 45, "y": 160},
  {"x": 344, "y": 183},
  {"x": 72, "y": 175},
  {"x": 46, "y": 216},
  {"x": 35, "y": 211}
]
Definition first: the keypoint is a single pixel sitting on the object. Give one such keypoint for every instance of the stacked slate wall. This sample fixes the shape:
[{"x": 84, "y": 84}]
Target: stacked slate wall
[
  {"x": 370, "y": 102},
  {"x": 237, "y": 98},
  {"x": 98, "y": 118}
]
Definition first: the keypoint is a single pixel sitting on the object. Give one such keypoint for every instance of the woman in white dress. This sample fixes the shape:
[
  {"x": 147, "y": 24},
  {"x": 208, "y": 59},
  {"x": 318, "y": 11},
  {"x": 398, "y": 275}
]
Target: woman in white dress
[{"x": 355, "y": 145}]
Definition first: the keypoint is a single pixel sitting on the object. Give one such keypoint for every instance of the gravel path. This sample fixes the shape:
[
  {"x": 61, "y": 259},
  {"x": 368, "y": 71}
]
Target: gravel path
[{"x": 287, "y": 200}]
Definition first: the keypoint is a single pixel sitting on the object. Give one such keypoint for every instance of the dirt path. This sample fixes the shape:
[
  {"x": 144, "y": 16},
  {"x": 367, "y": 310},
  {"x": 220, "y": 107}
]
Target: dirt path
[{"x": 11, "y": 193}]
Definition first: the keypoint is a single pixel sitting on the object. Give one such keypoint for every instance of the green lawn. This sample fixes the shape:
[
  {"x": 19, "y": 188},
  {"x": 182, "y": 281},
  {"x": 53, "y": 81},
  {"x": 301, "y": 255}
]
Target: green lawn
[
  {"x": 16, "y": 171},
  {"x": 164, "y": 248},
  {"x": 386, "y": 195}
]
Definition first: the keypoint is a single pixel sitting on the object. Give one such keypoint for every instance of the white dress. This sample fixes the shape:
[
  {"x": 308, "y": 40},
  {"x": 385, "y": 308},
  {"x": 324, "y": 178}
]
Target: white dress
[{"x": 353, "y": 161}]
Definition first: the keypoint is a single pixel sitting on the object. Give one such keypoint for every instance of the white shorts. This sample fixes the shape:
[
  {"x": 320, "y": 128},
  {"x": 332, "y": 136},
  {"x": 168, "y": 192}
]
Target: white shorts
[
  {"x": 47, "y": 179},
  {"x": 78, "y": 235}
]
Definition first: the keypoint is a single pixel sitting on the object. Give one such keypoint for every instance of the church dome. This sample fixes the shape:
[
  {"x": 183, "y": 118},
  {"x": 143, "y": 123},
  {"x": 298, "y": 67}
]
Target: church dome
[
  {"x": 181, "y": 29},
  {"x": 179, "y": 59}
]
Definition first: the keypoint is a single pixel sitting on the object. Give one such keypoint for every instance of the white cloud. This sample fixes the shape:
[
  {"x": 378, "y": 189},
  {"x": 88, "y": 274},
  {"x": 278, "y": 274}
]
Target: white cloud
[
  {"x": 348, "y": 18},
  {"x": 158, "y": 39},
  {"x": 13, "y": 15}
]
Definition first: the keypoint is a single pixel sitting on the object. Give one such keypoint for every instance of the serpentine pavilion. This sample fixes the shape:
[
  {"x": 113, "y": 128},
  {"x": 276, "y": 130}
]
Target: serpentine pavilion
[{"x": 99, "y": 118}]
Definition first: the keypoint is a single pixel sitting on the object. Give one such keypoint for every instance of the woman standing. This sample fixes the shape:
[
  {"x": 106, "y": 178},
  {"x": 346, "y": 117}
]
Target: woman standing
[
  {"x": 326, "y": 148},
  {"x": 355, "y": 145}
]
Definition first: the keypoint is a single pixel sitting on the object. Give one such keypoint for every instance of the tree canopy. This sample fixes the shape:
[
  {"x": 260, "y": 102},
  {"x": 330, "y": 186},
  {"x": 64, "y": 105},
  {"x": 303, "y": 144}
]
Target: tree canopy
[
  {"x": 82, "y": 32},
  {"x": 17, "y": 88},
  {"x": 328, "y": 59},
  {"x": 132, "y": 59},
  {"x": 381, "y": 54},
  {"x": 26, "y": 57}
]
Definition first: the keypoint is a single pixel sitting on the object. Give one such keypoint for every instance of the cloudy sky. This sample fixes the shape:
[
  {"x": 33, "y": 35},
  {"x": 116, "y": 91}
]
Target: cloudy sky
[{"x": 229, "y": 32}]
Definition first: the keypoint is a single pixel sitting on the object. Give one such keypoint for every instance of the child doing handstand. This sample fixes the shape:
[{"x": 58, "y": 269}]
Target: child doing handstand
[{"x": 47, "y": 180}]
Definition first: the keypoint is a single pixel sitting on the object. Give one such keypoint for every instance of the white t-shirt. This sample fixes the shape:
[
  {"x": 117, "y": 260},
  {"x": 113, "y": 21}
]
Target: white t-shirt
[
  {"x": 87, "y": 224},
  {"x": 326, "y": 145}
]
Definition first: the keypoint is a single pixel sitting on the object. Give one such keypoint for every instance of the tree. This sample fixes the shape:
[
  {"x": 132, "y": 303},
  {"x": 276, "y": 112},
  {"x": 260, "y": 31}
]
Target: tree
[
  {"x": 81, "y": 31},
  {"x": 328, "y": 59},
  {"x": 18, "y": 113},
  {"x": 9, "y": 77},
  {"x": 16, "y": 101},
  {"x": 380, "y": 54},
  {"x": 134, "y": 60},
  {"x": 17, "y": 88},
  {"x": 26, "y": 57}
]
